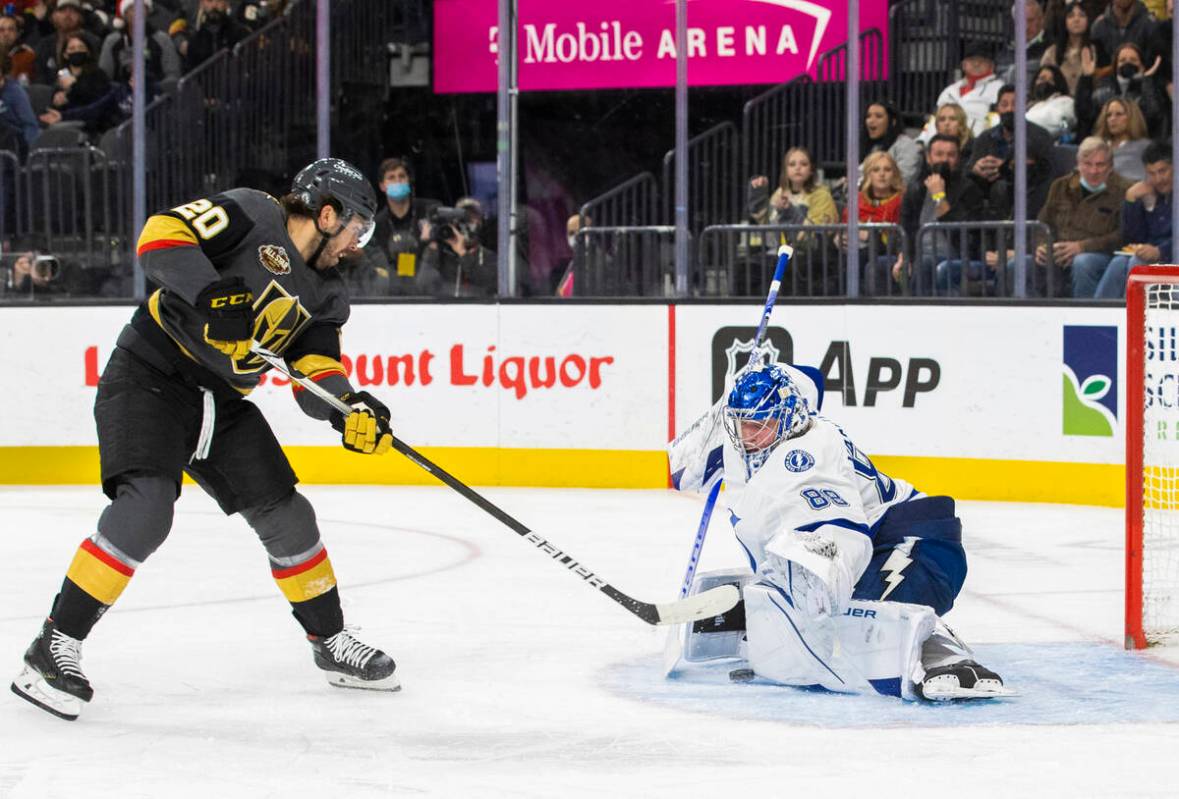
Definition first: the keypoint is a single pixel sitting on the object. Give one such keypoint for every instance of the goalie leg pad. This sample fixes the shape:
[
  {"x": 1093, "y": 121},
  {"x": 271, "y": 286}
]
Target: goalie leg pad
[{"x": 873, "y": 647}]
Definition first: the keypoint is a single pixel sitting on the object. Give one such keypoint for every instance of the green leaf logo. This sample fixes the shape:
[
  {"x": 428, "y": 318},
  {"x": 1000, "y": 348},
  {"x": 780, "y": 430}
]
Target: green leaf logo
[{"x": 1095, "y": 387}]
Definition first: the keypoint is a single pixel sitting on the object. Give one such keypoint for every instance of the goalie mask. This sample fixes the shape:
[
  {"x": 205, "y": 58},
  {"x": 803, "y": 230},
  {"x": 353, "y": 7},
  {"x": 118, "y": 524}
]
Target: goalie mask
[{"x": 763, "y": 409}]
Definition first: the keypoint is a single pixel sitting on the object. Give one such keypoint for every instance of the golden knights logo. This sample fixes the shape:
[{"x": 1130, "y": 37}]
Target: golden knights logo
[
  {"x": 278, "y": 319},
  {"x": 274, "y": 259}
]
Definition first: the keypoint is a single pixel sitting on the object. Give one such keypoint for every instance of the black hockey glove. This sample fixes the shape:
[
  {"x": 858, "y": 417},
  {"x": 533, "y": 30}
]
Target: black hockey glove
[
  {"x": 229, "y": 307},
  {"x": 366, "y": 429}
]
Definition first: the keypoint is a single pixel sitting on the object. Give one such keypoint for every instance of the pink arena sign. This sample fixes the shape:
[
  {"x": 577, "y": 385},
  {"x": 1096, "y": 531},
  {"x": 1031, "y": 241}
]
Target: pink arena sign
[{"x": 608, "y": 44}]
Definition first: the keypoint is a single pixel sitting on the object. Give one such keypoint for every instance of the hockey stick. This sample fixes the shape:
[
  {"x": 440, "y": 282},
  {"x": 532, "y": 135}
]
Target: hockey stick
[
  {"x": 702, "y": 606},
  {"x": 785, "y": 253}
]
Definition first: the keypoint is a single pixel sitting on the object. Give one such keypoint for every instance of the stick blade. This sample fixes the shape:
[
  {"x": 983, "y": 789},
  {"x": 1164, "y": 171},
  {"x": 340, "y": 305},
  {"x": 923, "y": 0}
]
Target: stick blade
[{"x": 706, "y": 605}]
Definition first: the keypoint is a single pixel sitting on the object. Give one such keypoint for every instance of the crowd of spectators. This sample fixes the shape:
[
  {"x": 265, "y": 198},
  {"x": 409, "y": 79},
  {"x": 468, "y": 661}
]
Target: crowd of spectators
[
  {"x": 1098, "y": 164},
  {"x": 1098, "y": 121},
  {"x": 68, "y": 62}
]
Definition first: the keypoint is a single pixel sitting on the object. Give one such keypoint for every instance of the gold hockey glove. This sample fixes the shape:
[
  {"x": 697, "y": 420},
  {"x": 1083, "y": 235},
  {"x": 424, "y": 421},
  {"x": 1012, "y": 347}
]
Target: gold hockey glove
[{"x": 366, "y": 428}]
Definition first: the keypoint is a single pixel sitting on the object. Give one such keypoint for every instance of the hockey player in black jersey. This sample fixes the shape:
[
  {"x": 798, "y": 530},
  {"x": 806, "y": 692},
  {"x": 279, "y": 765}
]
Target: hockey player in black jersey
[{"x": 233, "y": 269}]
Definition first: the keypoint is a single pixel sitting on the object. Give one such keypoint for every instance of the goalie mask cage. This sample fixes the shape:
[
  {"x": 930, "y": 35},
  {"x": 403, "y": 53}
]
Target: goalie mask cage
[{"x": 1152, "y": 456}]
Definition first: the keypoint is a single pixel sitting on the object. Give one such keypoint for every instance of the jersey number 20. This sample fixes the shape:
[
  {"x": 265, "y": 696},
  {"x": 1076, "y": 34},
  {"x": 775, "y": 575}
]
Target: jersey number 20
[{"x": 206, "y": 219}]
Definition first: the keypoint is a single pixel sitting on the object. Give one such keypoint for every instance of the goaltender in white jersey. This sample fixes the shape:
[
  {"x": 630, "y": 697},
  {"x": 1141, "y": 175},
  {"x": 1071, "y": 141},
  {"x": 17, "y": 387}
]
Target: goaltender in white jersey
[{"x": 851, "y": 570}]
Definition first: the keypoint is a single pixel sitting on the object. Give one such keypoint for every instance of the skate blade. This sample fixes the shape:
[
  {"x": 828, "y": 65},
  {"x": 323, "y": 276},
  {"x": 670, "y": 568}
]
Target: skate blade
[
  {"x": 389, "y": 683},
  {"x": 31, "y": 687},
  {"x": 948, "y": 692}
]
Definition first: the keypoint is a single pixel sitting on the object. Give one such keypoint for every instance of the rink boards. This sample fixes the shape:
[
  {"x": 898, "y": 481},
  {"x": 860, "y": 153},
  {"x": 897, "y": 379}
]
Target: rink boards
[{"x": 1008, "y": 403}]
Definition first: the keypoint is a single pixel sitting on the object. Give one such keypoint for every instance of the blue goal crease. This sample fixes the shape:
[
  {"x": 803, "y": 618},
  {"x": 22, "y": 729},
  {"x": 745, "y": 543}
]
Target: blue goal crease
[{"x": 1058, "y": 684}]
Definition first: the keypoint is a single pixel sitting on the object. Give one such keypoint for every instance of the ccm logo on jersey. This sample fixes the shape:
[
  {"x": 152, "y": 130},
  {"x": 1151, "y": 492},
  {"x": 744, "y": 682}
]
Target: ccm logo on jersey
[
  {"x": 274, "y": 259},
  {"x": 799, "y": 460}
]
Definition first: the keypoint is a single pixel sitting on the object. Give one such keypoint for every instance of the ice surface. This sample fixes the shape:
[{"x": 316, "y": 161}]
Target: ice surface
[{"x": 520, "y": 682}]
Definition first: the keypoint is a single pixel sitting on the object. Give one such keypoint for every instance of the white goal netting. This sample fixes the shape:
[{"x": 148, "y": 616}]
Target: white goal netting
[{"x": 1160, "y": 462}]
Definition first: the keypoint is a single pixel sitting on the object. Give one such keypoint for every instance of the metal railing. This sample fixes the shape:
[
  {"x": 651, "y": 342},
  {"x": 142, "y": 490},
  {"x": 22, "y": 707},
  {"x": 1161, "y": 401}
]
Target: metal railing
[
  {"x": 738, "y": 260},
  {"x": 633, "y": 203},
  {"x": 11, "y": 206},
  {"x": 714, "y": 178},
  {"x": 67, "y": 203},
  {"x": 926, "y": 40},
  {"x": 976, "y": 259},
  {"x": 775, "y": 121},
  {"x": 624, "y": 261}
]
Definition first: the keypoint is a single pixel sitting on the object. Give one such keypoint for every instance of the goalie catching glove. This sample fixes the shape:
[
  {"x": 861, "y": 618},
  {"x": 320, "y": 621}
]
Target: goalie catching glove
[
  {"x": 229, "y": 306},
  {"x": 366, "y": 428}
]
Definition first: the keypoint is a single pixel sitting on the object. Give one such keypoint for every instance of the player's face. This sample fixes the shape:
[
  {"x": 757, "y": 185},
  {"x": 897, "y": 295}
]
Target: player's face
[
  {"x": 347, "y": 242},
  {"x": 757, "y": 434}
]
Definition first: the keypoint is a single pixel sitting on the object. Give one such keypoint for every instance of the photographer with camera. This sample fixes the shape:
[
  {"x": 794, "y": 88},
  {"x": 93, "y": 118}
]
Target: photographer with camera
[
  {"x": 30, "y": 274},
  {"x": 391, "y": 263},
  {"x": 455, "y": 264}
]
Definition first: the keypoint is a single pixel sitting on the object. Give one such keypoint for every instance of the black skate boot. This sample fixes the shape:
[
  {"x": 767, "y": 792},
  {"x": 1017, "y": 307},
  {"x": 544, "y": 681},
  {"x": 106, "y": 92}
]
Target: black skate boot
[
  {"x": 52, "y": 678},
  {"x": 963, "y": 680},
  {"x": 351, "y": 664}
]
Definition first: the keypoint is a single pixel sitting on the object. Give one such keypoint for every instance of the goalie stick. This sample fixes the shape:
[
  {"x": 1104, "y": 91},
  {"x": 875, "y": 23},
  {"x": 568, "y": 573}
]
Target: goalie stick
[
  {"x": 785, "y": 253},
  {"x": 701, "y": 606}
]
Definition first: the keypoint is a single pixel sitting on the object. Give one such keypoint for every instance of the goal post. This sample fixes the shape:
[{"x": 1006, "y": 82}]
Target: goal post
[{"x": 1152, "y": 455}]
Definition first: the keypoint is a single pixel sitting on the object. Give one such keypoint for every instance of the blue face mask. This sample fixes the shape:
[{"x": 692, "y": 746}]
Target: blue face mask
[
  {"x": 1090, "y": 187},
  {"x": 398, "y": 191}
]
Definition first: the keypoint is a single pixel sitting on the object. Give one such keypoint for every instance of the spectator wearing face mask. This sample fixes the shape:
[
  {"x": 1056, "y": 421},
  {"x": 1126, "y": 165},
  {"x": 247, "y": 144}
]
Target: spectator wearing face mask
[
  {"x": 401, "y": 231},
  {"x": 993, "y": 167},
  {"x": 1084, "y": 213},
  {"x": 1130, "y": 80},
  {"x": 940, "y": 194},
  {"x": 67, "y": 18},
  {"x": 80, "y": 84},
  {"x": 1051, "y": 106}
]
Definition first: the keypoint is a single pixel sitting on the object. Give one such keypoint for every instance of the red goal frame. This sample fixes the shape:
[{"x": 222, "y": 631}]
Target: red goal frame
[{"x": 1137, "y": 281}]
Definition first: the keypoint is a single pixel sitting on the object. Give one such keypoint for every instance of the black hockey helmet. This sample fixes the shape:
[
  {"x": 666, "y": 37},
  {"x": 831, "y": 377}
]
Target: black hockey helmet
[{"x": 333, "y": 179}]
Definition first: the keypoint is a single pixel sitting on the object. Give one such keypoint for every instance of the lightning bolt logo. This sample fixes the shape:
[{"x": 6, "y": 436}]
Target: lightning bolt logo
[{"x": 898, "y": 560}]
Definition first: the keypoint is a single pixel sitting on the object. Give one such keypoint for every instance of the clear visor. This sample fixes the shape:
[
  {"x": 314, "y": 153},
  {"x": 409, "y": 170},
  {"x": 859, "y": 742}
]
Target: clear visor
[{"x": 360, "y": 227}]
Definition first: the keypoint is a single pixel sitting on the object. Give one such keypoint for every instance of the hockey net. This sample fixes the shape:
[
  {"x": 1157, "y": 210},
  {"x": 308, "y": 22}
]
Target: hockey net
[{"x": 1152, "y": 457}]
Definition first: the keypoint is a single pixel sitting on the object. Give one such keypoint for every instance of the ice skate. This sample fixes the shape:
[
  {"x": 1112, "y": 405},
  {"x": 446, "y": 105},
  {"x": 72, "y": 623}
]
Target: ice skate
[
  {"x": 963, "y": 680},
  {"x": 52, "y": 678},
  {"x": 351, "y": 664}
]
